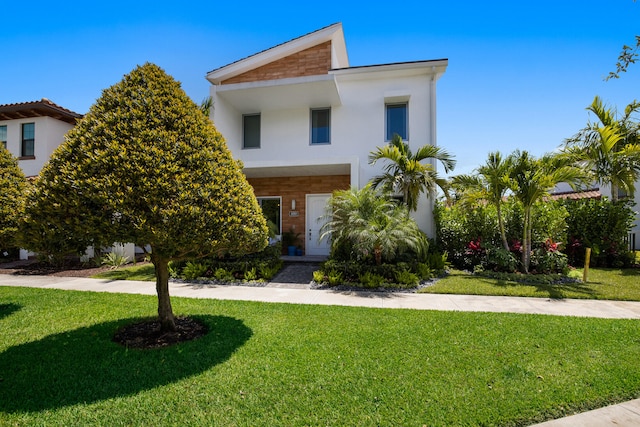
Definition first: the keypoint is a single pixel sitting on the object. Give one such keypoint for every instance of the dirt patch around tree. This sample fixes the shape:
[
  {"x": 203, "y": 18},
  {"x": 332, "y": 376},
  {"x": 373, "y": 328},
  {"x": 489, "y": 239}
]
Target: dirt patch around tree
[{"x": 147, "y": 334}]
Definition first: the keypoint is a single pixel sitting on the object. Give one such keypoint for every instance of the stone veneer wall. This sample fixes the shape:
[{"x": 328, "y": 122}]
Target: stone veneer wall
[{"x": 296, "y": 188}]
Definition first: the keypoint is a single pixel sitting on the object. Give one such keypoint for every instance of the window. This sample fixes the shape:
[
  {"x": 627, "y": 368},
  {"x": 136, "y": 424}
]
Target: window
[
  {"x": 396, "y": 121},
  {"x": 3, "y": 135},
  {"x": 271, "y": 211},
  {"x": 251, "y": 131},
  {"x": 28, "y": 138},
  {"x": 321, "y": 126}
]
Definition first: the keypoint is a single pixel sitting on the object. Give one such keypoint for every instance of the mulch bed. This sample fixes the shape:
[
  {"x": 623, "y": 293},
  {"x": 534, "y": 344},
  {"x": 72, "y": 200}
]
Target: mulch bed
[
  {"x": 33, "y": 267},
  {"x": 147, "y": 335}
]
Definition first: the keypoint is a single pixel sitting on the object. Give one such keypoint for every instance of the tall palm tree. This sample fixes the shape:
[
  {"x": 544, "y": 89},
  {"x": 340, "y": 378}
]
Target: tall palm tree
[
  {"x": 371, "y": 224},
  {"x": 531, "y": 180},
  {"x": 491, "y": 183},
  {"x": 406, "y": 174},
  {"x": 610, "y": 148}
]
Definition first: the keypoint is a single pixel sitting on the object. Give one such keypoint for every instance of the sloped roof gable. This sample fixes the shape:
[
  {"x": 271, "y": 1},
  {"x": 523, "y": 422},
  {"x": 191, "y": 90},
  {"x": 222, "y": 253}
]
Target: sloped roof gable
[{"x": 332, "y": 33}]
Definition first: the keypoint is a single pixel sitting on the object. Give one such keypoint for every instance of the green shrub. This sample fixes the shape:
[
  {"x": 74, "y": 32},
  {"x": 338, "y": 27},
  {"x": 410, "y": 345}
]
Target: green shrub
[
  {"x": 371, "y": 280},
  {"x": 601, "y": 225},
  {"x": 267, "y": 271},
  {"x": 223, "y": 274},
  {"x": 334, "y": 278},
  {"x": 319, "y": 277},
  {"x": 250, "y": 274},
  {"x": 174, "y": 269},
  {"x": 548, "y": 262},
  {"x": 500, "y": 259},
  {"x": 437, "y": 260},
  {"x": 407, "y": 278},
  {"x": 115, "y": 259},
  {"x": 423, "y": 271},
  {"x": 193, "y": 270},
  {"x": 462, "y": 228}
]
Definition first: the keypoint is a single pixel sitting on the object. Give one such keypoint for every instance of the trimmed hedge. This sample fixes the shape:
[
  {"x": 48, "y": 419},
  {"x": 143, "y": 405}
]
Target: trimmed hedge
[{"x": 603, "y": 226}]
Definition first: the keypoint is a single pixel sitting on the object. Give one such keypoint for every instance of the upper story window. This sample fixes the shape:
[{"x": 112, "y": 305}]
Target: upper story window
[
  {"x": 251, "y": 131},
  {"x": 28, "y": 138},
  {"x": 3, "y": 135},
  {"x": 397, "y": 120},
  {"x": 321, "y": 126}
]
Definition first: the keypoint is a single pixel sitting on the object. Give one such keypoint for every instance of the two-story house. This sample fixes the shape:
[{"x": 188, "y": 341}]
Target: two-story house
[
  {"x": 32, "y": 130},
  {"x": 303, "y": 122}
]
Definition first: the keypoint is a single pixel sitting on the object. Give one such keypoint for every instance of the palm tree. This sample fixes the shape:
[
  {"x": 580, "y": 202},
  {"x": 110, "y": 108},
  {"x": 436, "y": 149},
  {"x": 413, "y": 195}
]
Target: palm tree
[
  {"x": 610, "y": 148},
  {"x": 531, "y": 180},
  {"x": 491, "y": 183},
  {"x": 369, "y": 223},
  {"x": 206, "y": 105},
  {"x": 405, "y": 174}
]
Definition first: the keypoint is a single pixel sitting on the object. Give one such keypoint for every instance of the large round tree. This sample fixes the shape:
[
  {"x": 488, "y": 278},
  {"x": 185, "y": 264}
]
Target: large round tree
[
  {"x": 145, "y": 165},
  {"x": 13, "y": 185}
]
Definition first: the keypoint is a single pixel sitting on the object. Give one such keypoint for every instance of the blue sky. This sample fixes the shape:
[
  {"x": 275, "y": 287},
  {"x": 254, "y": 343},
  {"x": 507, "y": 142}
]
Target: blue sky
[{"x": 520, "y": 73}]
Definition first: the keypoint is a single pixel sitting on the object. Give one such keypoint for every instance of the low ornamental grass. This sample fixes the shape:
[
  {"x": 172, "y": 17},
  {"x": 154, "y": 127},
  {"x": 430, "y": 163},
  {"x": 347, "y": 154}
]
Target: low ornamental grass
[
  {"x": 602, "y": 283},
  {"x": 267, "y": 364}
]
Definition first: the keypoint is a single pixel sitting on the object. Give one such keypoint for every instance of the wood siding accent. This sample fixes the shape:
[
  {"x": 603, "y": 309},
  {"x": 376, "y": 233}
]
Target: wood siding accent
[
  {"x": 296, "y": 188},
  {"x": 310, "y": 62}
]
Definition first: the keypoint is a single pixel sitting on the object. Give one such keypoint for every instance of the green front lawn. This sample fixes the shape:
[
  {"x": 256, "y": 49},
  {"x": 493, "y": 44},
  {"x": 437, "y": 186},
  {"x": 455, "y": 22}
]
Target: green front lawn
[
  {"x": 602, "y": 283},
  {"x": 143, "y": 272},
  {"x": 267, "y": 364}
]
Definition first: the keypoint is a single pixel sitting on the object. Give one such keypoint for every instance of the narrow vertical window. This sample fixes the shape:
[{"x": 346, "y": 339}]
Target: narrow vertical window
[
  {"x": 321, "y": 126},
  {"x": 28, "y": 138},
  {"x": 272, "y": 212},
  {"x": 396, "y": 121},
  {"x": 251, "y": 131},
  {"x": 3, "y": 135}
]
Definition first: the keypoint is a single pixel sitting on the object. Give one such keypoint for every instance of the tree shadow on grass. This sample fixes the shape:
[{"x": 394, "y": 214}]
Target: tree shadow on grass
[
  {"x": 8, "y": 309},
  {"x": 554, "y": 290},
  {"x": 85, "y": 366},
  {"x": 559, "y": 290}
]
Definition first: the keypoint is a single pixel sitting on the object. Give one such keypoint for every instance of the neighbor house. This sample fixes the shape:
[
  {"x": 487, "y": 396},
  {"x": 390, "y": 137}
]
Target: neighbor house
[
  {"x": 303, "y": 122},
  {"x": 32, "y": 130},
  {"x": 563, "y": 191}
]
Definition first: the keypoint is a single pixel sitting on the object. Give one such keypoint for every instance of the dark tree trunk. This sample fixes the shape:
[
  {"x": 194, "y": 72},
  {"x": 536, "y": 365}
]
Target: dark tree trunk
[{"x": 165, "y": 312}]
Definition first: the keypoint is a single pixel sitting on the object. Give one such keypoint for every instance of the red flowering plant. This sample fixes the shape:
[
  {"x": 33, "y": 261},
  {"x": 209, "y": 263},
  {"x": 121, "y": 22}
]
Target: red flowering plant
[
  {"x": 551, "y": 246},
  {"x": 548, "y": 259},
  {"x": 474, "y": 253},
  {"x": 474, "y": 247},
  {"x": 516, "y": 246}
]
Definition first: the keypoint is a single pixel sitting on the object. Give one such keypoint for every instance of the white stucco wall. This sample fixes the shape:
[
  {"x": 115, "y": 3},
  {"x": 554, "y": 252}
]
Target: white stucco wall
[
  {"x": 357, "y": 125},
  {"x": 49, "y": 134}
]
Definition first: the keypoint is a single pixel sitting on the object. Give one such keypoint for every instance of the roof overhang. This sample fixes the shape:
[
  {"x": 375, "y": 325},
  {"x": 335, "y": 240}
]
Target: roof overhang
[
  {"x": 297, "y": 92},
  {"x": 435, "y": 68},
  {"x": 273, "y": 169},
  {"x": 42, "y": 108}
]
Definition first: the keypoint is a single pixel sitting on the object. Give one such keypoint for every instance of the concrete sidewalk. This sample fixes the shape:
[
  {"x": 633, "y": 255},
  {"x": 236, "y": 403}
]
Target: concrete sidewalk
[
  {"x": 302, "y": 294},
  {"x": 626, "y": 414}
]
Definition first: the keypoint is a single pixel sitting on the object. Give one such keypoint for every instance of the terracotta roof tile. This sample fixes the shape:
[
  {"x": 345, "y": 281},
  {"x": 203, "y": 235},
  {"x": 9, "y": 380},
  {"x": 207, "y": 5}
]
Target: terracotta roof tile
[
  {"x": 576, "y": 195},
  {"x": 41, "y": 108}
]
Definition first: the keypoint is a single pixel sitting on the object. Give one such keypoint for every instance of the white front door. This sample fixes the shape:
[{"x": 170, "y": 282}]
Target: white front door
[{"x": 315, "y": 209}]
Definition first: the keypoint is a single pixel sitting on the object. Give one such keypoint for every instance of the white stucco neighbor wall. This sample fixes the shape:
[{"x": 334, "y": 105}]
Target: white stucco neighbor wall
[
  {"x": 605, "y": 190},
  {"x": 49, "y": 134}
]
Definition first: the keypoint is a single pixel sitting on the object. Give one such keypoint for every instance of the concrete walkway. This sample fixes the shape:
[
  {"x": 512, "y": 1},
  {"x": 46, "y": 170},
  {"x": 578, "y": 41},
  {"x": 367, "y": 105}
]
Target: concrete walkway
[{"x": 625, "y": 414}]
